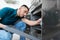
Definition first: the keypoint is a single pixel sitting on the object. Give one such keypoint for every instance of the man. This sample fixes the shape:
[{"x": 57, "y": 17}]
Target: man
[{"x": 9, "y": 16}]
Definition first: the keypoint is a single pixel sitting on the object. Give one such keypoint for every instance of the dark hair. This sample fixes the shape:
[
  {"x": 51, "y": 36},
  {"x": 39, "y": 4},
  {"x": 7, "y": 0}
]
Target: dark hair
[{"x": 26, "y": 7}]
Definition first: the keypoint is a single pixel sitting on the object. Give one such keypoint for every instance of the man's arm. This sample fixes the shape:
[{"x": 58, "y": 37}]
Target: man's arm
[
  {"x": 31, "y": 23},
  {"x": 2, "y": 25}
]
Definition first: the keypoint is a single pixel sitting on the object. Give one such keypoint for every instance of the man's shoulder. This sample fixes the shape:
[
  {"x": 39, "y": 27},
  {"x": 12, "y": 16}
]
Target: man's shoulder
[{"x": 8, "y": 8}]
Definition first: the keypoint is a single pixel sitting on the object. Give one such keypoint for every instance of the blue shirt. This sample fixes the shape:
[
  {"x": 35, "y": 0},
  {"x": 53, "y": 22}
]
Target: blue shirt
[{"x": 8, "y": 16}]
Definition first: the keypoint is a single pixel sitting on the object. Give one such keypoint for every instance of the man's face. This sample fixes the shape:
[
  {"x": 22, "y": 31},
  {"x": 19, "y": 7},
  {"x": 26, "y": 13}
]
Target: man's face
[{"x": 22, "y": 11}]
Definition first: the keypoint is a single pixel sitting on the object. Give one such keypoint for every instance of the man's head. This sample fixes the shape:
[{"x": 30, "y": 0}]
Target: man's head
[{"x": 22, "y": 11}]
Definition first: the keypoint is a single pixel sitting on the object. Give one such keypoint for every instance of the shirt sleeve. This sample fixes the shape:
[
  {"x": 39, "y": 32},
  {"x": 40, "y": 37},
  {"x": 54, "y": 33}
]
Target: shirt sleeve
[{"x": 4, "y": 11}]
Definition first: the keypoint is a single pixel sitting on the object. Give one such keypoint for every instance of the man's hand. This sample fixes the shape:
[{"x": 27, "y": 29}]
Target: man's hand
[
  {"x": 2, "y": 25},
  {"x": 38, "y": 21}
]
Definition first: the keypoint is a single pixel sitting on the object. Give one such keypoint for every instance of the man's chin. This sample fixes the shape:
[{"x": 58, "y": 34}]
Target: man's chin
[{"x": 20, "y": 16}]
